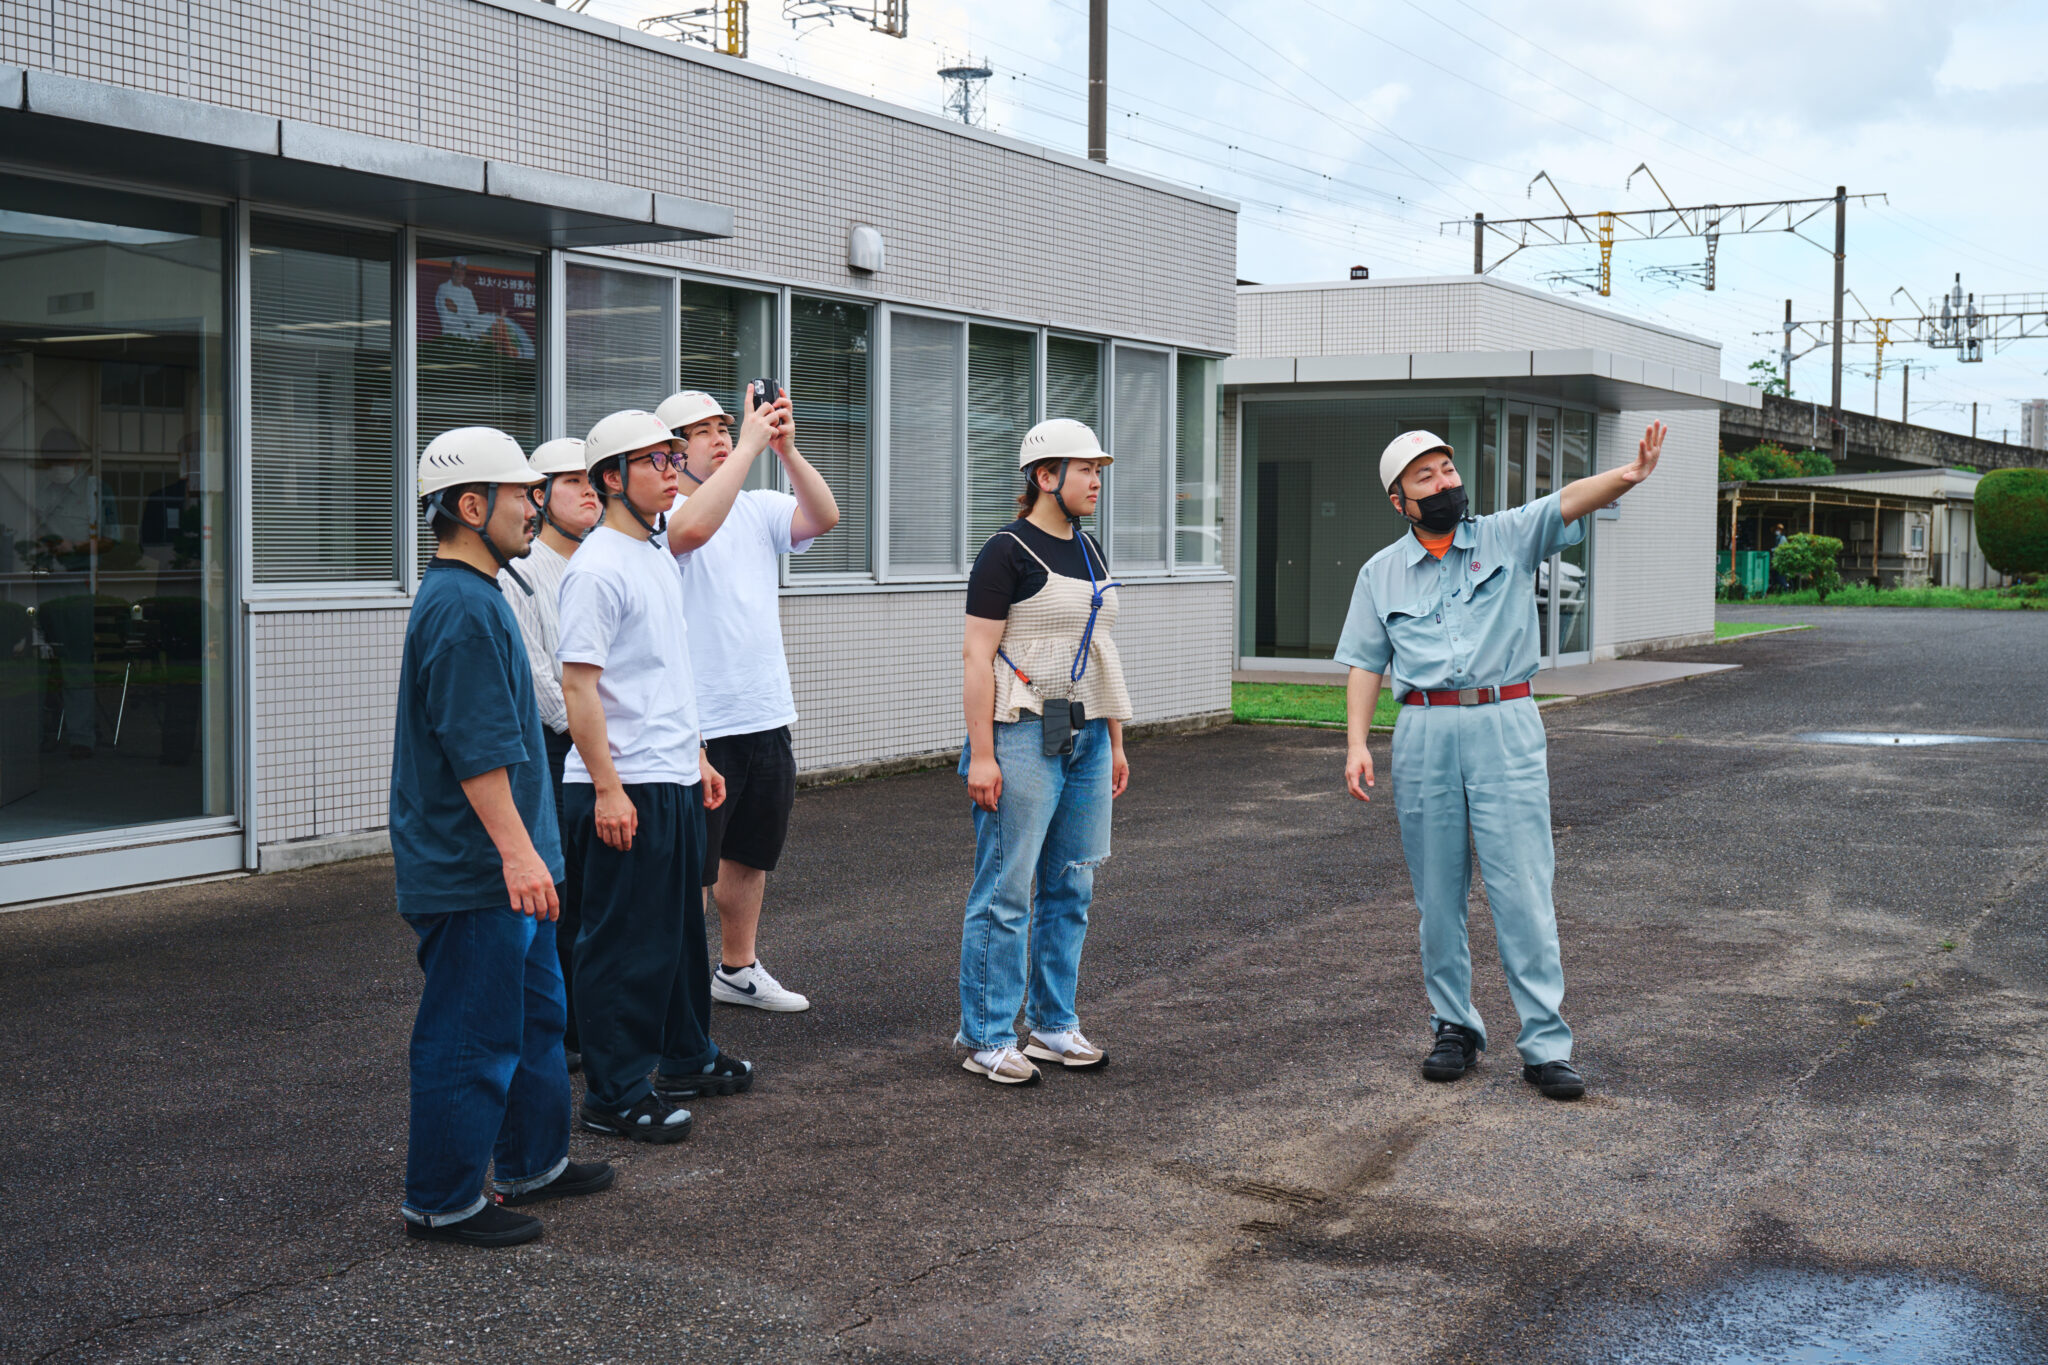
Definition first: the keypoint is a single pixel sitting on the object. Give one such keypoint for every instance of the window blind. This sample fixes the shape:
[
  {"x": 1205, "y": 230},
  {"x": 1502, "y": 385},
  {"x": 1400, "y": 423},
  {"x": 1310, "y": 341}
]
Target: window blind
[
  {"x": 615, "y": 342},
  {"x": 1198, "y": 496},
  {"x": 1138, "y": 479},
  {"x": 927, "y": 359},
  {"x": 829, "y": 387},
  {"x": 1073, "y": 381},
  {"x": 1000, "y": 396},
  {"x": 476, "y": 317},
  {"x": 728, "y": 339},
  {"x": 324, "y": 454}
]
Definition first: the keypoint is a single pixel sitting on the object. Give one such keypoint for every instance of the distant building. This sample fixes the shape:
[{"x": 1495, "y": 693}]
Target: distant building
[{"x": 2034, "y": 423}]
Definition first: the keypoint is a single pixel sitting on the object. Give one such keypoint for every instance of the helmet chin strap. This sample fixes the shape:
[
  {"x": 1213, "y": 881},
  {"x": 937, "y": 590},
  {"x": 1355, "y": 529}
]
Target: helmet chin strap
[
  {"x": 439, "y": 508},
  {"x": 660, "y": 523},
  {"x": 1057, "y": 488},
  {"x": 547, "y": 496}
]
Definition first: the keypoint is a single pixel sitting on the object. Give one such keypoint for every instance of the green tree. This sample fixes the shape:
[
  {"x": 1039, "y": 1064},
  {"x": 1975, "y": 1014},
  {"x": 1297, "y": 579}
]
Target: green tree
[
  {"x": 2012, "y": 520},
  {"x": 1735, "y": 469},
  {"x": 1813, "y": 464},
  {"x": 1765, "y": 375},
  {"x": 1772, "y": 462},
  {"x": 1811, "y": 560}
]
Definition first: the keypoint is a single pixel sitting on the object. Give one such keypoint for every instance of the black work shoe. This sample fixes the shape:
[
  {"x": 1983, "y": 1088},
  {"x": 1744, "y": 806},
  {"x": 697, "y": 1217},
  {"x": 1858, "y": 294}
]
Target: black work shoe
[
  {"x": 1455, "y": 1053},
  {"x": 578, "y": 1177},
  {"x": 490, "y": 1226},
  {"x": 1558, "y": 1080},
  {"x": 572, "y": 1059},
  {"x": 653, "y": 1119},
  {"x": 727, "y": 1075}
]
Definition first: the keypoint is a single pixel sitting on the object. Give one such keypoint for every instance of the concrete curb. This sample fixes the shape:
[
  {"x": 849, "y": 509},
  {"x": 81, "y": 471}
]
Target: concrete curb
[{"x": 1755, "y": 634}]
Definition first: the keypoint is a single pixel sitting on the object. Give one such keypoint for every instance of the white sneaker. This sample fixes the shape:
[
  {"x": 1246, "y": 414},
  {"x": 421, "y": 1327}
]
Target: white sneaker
[
  {"x": 1069, "y": 1049},
  {"x": 753, "y": 986},
  {"x": 1003, "y": 1065}
]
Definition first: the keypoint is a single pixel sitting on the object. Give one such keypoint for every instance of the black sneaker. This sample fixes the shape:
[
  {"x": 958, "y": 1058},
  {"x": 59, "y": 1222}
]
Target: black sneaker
[
  {"x": 572, "y": 1059},
  {"x": 490, "y": 1226},
  {"x": 1455, "y": 1053},
  {"x": 727, "y": 1075},
  {"x": 653, "y": 1119},
  {"x": 578, "y": 1177},
  {"x": 1558, "y": 1080}
]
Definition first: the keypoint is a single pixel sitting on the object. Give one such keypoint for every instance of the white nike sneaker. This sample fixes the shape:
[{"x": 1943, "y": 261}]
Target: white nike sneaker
[{"x": 753, "y": 986}]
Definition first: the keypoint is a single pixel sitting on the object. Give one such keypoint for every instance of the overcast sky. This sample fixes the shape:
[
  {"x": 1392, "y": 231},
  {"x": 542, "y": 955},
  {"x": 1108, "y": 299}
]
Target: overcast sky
[{"x": 1348, "y": 129}]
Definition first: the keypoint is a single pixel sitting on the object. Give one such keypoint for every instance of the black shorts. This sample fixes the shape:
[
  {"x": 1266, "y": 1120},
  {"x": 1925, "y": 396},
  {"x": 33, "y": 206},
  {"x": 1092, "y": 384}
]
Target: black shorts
[{"x": 750, "y": 825}]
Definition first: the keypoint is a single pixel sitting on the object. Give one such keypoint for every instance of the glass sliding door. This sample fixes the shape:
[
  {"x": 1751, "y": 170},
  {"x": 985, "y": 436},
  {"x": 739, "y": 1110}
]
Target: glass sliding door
[
  {"x": 1544, "y": 449},
  {"x": 1542, "y": 479},
  {"x": 1573, "y": 568},
  {"x": 115, "y": 542}
]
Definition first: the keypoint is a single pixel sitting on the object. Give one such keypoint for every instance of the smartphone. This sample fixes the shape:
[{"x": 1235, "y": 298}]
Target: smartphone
[{"x": 766, "y": 391}]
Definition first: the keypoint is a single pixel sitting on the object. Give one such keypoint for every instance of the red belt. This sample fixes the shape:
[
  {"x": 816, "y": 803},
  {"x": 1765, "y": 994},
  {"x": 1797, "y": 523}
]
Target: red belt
[{"x": 1468, "y": 696}]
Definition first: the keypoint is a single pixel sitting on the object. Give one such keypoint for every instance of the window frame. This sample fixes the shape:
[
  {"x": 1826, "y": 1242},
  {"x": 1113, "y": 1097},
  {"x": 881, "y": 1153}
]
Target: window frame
[
  {"x": 555, "y": 414},
  {"x": 1106, "y": 517}
]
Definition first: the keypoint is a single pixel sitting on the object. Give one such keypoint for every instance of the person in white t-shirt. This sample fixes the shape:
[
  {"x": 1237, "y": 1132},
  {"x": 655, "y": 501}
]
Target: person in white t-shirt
[
  {"x": 635, "y": 790},
  {"x": 731, "y": 597}
]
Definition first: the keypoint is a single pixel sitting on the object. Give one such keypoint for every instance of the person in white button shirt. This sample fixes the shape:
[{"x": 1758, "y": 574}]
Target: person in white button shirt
[
  {"x": 731, "y": 599},
  {"x": 568, "y": 508}
]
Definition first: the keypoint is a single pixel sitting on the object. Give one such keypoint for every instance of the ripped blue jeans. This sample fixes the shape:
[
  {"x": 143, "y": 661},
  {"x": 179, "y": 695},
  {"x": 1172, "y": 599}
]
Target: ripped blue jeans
[{"x": 1052, "y": 822}]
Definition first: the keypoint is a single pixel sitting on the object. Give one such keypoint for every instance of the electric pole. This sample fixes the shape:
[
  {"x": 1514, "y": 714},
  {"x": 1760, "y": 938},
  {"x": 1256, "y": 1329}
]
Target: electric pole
[
  {"x": 1098, "y": 80},
  {"x": 1479, "y": 244},
  {"x": 1842, "y": 244},
  {"x": 1905, "y": 393},
  {"x": 1786, "y": 354},
  {"x": 1973, "y": 421}
]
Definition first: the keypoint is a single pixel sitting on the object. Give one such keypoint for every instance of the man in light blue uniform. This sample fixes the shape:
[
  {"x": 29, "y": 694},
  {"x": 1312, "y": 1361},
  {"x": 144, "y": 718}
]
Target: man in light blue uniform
[{"x": 1450, "y": 611}]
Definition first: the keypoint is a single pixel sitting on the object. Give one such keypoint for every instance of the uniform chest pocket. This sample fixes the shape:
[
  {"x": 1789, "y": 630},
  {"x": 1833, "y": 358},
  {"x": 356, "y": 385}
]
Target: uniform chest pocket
[
  {"x": 1485, "y": 580},
  {"x": 1417, "y": 621}
]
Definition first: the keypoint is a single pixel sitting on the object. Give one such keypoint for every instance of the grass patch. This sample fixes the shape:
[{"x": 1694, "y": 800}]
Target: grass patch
[
  {"x": 1863, "y": 595},
  {"x": 1729, "y": 630},
  {"x": 1303, "y": 704}
]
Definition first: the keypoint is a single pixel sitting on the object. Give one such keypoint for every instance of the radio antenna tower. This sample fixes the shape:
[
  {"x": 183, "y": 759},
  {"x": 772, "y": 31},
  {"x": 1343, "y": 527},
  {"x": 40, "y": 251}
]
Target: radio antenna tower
[{"x": 967, "y": 101}]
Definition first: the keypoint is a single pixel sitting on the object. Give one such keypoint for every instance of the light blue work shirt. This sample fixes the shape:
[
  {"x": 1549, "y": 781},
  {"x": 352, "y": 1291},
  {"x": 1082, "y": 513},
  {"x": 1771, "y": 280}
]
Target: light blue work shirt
[{"x": 1467, "y": 620}]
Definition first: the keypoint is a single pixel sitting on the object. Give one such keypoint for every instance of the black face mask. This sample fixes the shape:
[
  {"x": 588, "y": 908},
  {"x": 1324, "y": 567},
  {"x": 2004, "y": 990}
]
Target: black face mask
[{"x": 1440, "y": 512}]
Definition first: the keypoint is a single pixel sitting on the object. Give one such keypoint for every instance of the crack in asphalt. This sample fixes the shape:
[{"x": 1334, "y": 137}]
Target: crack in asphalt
[{"x": 238, "y": 1296}]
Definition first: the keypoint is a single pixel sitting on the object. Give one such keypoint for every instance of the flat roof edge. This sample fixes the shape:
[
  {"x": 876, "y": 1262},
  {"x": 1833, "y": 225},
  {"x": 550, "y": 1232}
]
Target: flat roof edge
[
  {"x": 1487, "y": 366},
  {"x": 738, "y": 66},
  {"x": 1488, "y": 281}
]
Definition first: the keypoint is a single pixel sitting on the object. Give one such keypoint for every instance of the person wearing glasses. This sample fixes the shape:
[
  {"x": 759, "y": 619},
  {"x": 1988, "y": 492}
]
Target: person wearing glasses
[
  {"x": 731, "y": 594},
  {"x": 568, "y": 508},
  {"x": 1046, "y": 705},
  {"x": 636, "y": 786}
]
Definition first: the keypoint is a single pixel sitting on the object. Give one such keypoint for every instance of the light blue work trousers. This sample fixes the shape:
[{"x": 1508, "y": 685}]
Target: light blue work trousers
[
  {"x": 1478, "y": 777},
  {"x": 1051, "y": 825}
]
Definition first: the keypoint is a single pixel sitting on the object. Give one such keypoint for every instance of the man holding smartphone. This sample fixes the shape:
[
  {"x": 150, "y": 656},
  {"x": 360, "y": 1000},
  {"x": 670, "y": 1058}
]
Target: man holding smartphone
[
  {"x": 477, "y": 857},
  {"x": 636, "y": 788},
  {"x": 732, "y": 600}
]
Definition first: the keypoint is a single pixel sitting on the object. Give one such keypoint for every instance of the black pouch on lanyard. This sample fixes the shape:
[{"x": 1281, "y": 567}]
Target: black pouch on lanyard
[{"x": 1058, "y": 719}]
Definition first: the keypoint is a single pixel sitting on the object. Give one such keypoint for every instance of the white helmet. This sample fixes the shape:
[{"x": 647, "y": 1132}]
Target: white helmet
[
  {"x": 564, "y": 456},
  {"x": 1403, "y": 451},
  {"x": 685, "y": 409},
  {"x": 472, "y": 455},
  {"x": 1061, "y": 438},
  {"x": 623, "y": 433}
]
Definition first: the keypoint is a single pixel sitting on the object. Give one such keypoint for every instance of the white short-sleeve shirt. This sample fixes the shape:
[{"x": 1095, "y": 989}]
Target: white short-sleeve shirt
[
  {"x": 622, "y": 609},
  {"x": 732, "y": 600}
]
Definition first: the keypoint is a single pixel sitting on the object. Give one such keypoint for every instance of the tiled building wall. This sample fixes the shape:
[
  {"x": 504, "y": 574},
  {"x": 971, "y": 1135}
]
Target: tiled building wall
[
  {"x": 877, "y": 676},
  {"x": 1653, "y": 567},
  {"x": 326, "y": 690},
  {"x": 1441, "y": 315},
  {"x": 969, "y": 223}
]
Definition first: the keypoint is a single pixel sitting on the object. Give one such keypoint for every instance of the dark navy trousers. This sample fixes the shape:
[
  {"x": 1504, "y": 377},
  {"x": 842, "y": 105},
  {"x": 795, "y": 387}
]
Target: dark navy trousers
[{"x": 643, "y": 972}]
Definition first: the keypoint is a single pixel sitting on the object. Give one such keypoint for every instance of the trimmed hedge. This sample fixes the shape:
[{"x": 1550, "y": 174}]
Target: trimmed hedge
[{"x": 2012, "y": 520}]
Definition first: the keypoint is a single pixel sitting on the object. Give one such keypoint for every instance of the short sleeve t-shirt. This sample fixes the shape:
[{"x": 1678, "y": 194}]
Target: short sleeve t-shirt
[
  {"x": 1005, "y": 573},
  {"x": 622, "y": 609},
  {"x": 733, "y": 603},
  {"x": 465, "y": 707}
]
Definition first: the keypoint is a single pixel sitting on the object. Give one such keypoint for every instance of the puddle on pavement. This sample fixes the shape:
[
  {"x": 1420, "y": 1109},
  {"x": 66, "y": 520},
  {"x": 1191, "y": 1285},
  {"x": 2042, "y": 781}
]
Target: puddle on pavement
[
  {"x": 1887, "y": 738},
  {"x": 1788, "y": 1317}
]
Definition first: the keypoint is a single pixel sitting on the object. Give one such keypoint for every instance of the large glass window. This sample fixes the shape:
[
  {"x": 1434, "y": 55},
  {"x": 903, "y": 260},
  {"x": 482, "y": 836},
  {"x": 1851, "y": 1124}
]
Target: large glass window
[
  {"x": 830, "y": 390},
  {"x": 1574, "y": 584},
  {"x": 1001, "y": 394},
  {"x": 1198, "y": 496},
  {"x": 1073, "y": 380},
  {"x": 324, "y": 455},
  {"x": 615, "y": 343},
  {"x": 728, "y": 340},
  {"x": 1137, "y": 481},
  {"x": 477, "y": 362},
  {"x": 114, "y": 530},
  {"x": 927, "y": 443}
]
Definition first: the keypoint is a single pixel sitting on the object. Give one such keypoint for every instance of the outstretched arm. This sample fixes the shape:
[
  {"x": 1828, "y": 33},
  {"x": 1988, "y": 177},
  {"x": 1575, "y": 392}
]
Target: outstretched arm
[
  {"x": 706, "y": 509},
  {"x": 1583, "y": 495},
  {"x": 817, "y": 511}
]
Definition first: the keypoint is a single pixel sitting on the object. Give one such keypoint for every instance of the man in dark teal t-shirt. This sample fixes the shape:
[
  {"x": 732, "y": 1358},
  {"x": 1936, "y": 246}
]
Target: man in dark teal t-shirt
[{"x": 477, "y": 856}]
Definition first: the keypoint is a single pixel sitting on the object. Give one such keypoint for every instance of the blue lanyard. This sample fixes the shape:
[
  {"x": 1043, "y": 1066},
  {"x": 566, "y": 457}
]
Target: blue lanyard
[{"x": 1079, "y": 670}]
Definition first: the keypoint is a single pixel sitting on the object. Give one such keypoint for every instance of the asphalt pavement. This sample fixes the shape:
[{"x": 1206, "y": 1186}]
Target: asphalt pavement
[{"x": 1809, "y": 984}]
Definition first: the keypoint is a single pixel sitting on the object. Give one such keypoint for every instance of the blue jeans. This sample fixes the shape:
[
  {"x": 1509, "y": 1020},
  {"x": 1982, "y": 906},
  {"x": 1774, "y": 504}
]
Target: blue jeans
[
  {"x": 1052, "y": 820},
  {"x": 488, "y": 1080}
]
